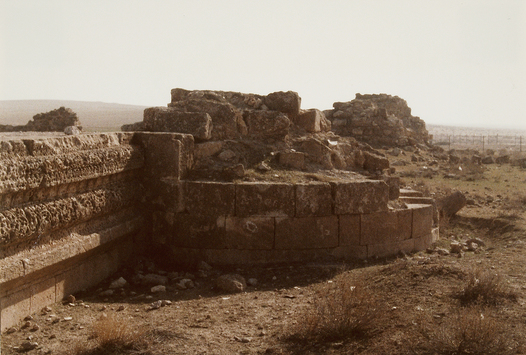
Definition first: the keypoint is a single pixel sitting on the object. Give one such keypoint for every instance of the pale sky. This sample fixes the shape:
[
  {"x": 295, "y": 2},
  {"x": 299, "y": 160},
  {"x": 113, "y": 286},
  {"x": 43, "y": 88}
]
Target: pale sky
[{"x": 454, "y": 62}]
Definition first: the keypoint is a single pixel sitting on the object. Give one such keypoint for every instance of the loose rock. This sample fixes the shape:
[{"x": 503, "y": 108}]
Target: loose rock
[{"x": 231, "y": 283}]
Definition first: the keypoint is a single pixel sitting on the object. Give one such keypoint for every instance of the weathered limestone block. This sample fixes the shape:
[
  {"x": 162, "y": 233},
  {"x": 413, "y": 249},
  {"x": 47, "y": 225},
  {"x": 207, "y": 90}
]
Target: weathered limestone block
[
  {"x": 12, "y": 149},
  {"x": 306, "y": 232},
  {"x": 422, "y": 220},
  {"x": 312, "y": 120},
  {"x": 198, "y": 231},
  {"x": 227, "y": 120},
  {"x": 386, "y": 227},
  {"x": 210, "y": 198},
  {"x": 165, "y": 119},
  {"x": 374, "y": 162},
  {"x": 394, "y": 187},
  {"x": 317, "y": 152},
  {"x": 74, "y": 144},
  {"x": 360, "y": 196},
  {"x": 207, "y": 149},
  {"x": 18, "y": 224},
  {"x": 167, "y": 154},
  {"x": 313, "y": 199},
  {"x": 133, "y": 127},
  {"x": 238, "y": 99},
  {"x": 53, "y": 170},
  {"x": 266, "y": 124},
  {"x": 265, "y": 199},
  {"x": 451, "y": 204},
  {"x": 288, "y": 102},
  {"x": 350, "y": 229},
  {"x": 250, "y": 233},
  {"x": 292, "y": 159}
]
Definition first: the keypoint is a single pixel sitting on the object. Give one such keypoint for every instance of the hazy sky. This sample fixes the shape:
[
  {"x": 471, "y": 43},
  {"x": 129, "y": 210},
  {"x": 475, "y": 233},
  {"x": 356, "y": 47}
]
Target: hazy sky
[{"x": 455, "y": 62}]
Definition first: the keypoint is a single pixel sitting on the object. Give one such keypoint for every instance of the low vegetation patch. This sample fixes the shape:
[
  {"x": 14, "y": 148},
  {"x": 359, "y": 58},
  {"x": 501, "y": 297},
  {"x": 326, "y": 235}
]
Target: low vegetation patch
[
  {"x": 112, "y": 335},
  {"x": 485, "y": 287},
  {"x": 345, "y": 310},
  {"x": 473, "y": 331}
]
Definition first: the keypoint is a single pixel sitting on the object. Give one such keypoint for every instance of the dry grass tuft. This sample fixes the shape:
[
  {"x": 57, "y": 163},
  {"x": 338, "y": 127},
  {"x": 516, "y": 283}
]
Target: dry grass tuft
[
  {"x": 346, "y": 309},
  {"x": 112, "y": 335},
  {"x": 472, "y": 331},
  {"x": 485, "y": 287}
]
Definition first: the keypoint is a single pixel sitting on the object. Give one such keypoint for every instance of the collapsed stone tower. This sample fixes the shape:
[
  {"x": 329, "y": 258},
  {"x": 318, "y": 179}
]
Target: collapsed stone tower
[
  {"x": 52, "y": 121},
  {"x": 380, "y": 120},
  {"x": 232, "y": 129}
]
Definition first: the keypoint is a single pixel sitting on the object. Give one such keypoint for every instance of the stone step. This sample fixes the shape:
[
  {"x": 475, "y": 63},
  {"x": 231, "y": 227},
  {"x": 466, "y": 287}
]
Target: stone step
[{"x": 410, "y": 193}]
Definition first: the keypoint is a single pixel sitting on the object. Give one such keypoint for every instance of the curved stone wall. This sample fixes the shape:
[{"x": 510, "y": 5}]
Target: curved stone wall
[{"x": 262, "y": 222}]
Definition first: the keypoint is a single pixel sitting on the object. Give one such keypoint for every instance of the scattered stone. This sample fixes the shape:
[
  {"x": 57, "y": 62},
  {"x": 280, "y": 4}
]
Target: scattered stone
[
  {"x": 35, "y": 327},
  {"x": 474, "y": 244},
  {"x": 231, "y": 283},
  {"x": 155, "y": 305},
  {"x": 252, "y": 282},
  {"x": 119, "y": 283},
  {"x": 243, "y": 339},
  {"x": 46, "y": 310},
  {"x": 28, "y": 318},
  {"x": 158, "y": 288},
  {"x": 70, "y": 299},
  {"x": 27, "y": 324},
  {"x": 442, "y": 251},
  {"x": 10, "y": 330},
  {"x": 72, "y": 130},
  {"x": 451, "y": 204},
  {"x": 28, "y": 345},
  {"x": 263, "y": 166},
  {"x": 456, "y": 248},
  {"x": 121, "y": 308},
  {"x": 67, "y": 319},
  {"x": 52, "y": 336},
  {"x": 165, "y": 303}
]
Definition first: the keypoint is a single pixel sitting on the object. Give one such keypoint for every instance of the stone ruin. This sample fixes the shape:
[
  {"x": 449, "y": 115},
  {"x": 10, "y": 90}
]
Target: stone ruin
[
  {"x": 380, "y": 120},
  {"x": 220, "y": 177},
  {"x": 53, "y": 121}
]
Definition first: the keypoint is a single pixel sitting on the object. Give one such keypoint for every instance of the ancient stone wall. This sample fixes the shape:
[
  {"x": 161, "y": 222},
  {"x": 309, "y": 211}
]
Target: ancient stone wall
[
  {"x": 68, "y": 214},
  {"x": 73, "y": 209},
  {"x": 381, "y": 120},
  {"x": 263, "y": 222}
]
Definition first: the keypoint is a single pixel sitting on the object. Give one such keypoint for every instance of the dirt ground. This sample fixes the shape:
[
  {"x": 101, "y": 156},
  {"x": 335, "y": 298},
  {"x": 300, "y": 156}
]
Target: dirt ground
[{"x": 417, "y": 296}]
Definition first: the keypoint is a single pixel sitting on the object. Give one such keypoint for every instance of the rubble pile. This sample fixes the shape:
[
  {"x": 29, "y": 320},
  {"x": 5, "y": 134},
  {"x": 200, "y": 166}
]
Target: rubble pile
[
  {"x": 53, "y": 121},
  {"x": 379, "y": 119}
]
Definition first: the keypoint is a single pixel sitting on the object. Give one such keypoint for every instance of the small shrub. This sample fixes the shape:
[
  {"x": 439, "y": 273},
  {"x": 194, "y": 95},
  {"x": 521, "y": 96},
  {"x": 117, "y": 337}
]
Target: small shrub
[
  {"x": 344, "y": 310},
  {"x": 472, "y": 331},
  {"x": 114, "y": 336},
  {"x": 484, "y": 287}
]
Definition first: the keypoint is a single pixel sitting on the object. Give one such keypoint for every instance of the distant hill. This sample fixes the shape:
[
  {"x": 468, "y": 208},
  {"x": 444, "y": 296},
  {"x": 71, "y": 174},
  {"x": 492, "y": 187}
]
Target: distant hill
[{"x": 94, "y": 116}]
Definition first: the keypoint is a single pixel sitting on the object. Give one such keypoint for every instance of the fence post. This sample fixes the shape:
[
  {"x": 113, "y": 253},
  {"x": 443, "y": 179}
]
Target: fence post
[
  {"x": 483, "y": 141},
  {"x": 449, "y": 142},
  {"x": 520, "y": 144}
]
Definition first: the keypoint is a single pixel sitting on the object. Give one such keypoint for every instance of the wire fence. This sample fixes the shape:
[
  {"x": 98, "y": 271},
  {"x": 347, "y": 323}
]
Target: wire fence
[{"x": 481, "y": 142}]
